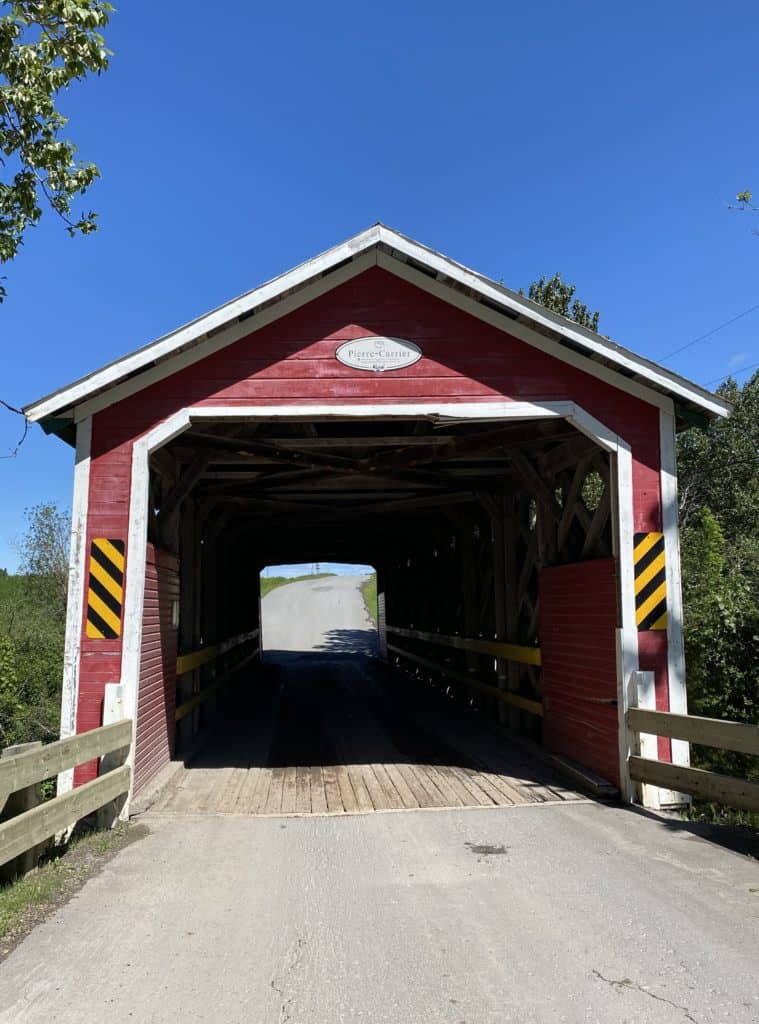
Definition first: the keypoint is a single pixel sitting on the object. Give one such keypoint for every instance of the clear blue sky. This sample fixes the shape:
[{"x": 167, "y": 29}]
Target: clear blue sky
[{"x": 517, "y": 138}]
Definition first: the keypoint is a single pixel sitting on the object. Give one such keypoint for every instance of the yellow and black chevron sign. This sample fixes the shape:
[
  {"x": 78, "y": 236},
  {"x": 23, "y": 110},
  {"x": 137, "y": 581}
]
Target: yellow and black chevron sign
[
  {"x": 650, "y": 581},
  {"x": 105, "y": 596}
]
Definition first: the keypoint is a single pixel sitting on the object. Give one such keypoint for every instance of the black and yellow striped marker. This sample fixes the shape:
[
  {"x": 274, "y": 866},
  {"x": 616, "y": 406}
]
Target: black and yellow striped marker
[
  {"x": 105, "y": 595},
  {"x": 650, "y": 581}
]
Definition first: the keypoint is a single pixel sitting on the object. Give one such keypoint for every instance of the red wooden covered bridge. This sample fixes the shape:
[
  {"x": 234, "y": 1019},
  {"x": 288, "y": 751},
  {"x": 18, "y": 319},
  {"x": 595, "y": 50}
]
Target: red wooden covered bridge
[{"x": 510, "y": 475}]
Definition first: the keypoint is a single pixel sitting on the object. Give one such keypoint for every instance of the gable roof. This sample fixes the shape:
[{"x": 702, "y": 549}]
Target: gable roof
[{"x": 380, "y": 246}]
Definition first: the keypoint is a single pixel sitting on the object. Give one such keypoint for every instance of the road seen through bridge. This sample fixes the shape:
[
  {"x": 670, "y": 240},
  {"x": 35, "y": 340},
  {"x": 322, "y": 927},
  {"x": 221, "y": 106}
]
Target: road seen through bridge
[{"x": 539, "y": 911}]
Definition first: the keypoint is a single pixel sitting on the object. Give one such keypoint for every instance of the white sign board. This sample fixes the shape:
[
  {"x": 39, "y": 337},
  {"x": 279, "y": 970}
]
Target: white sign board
[{"x": 378, "y": 354}]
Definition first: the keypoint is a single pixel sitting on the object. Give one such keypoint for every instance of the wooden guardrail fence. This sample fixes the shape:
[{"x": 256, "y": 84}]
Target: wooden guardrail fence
[
  {"x": 204, "y": 656},
  {"x": 709, "y": 732},
  {"x": 508, "y": 652},
  {"x": 20, "y": 771}
]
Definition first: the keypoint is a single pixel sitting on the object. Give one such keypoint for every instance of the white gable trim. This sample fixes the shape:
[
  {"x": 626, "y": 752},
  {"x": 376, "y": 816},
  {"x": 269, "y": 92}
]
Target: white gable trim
[
  {"x": 524, "y": 333},
  {"x": 236, "y": 331},
  {"x": 190, "y": 343}
]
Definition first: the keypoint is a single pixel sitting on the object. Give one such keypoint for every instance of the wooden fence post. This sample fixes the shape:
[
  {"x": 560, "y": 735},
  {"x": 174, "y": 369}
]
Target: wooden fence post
[
  {"x": 644, "y": 695},
  {"x": 22, "y": 800},
  {"x": 113, "y": 711}
]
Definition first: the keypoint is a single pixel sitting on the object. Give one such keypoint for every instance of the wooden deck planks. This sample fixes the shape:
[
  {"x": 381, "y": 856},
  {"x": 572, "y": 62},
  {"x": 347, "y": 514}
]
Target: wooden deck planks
[{"x": 356, "y": 788}]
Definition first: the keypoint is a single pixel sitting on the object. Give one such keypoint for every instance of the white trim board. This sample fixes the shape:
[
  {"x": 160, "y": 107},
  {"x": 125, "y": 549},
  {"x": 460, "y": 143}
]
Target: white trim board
[
  {"x": 75, "y": 599},
  {"x": 678, "y": 696},
  {"x": 479, "y": 411},
  {"x": 393, "y": 251}
]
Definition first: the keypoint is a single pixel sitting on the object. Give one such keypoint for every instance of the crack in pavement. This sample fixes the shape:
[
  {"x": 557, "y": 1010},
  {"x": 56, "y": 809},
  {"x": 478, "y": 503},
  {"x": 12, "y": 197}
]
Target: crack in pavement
[
  {"x": 623, "y": 983},
  {"x": 293, "y": 961}
]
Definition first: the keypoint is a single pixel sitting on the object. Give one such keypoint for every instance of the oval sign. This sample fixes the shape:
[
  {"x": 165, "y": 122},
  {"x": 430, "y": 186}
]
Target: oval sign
[{"x": 378, "y": 354}]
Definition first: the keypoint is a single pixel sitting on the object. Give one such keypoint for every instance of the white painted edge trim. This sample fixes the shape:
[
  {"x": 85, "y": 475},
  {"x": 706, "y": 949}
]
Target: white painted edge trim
[
  {"x": 181, "y": 421},
  {"x": 82, "y": 390},
  {"x": 215, "y": 320},
  {"x": 678, "y": 695},
  {"x": 75, "y": 598},
  {"x": 234, "y": 332},
  {"x": 624, "y": 358},
  {"x": 627, "y": 634},
  {"x": 644, "y": 694},
  {"x": 134, "y": 598},
  {"x": 523, "y": 333}
]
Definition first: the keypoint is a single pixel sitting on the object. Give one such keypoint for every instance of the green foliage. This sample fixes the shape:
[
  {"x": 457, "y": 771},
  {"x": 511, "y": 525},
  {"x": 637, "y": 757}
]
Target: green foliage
[
  {"x": 592, "y": 490},
  {"x": 719, "y": 499},
  {"x": 559, "y": 296},
  {"x": 45, "y": 45},
  {"x": 269, "y": 583},
  {"x": 369, "y": 594},
  {"x": 32, "y": 627}
]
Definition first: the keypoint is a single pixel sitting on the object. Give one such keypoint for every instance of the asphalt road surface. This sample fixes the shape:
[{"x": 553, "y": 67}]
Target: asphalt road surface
[
  {"x": 540, "y": 913},
  {"x": 571, "y": 913}
]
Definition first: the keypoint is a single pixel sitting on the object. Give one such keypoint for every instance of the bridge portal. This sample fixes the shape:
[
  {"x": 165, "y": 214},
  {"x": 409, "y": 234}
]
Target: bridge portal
[{"x": 510, "y": 474}]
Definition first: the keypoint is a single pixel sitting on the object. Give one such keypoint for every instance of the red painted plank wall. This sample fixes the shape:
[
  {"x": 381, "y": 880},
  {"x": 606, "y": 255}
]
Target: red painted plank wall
[
  {"x": 157, "y": 697},
  {"x": 292, "y": 361},
  {"x": 578, "y": 621}
]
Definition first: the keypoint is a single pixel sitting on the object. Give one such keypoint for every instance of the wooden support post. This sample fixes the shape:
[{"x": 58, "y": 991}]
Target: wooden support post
[
  {"x": 22, "y": 800},
  {"x": 187, "y": 554},
  {"x": 511, "y": 594},
  {"x": 499, "y": 595}
]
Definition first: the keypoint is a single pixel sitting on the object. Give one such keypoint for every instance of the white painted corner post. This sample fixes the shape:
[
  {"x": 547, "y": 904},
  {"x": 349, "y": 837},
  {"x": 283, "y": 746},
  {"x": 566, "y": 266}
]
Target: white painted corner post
[
  {"x": 678, "y": 697},
  {"x": 644, "y": 744},
  {"x": 76, "y": 589}
]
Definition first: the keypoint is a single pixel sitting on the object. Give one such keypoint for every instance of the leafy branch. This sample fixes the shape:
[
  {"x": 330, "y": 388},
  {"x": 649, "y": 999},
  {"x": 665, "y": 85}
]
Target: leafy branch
[{"x": 45, "y": 45}]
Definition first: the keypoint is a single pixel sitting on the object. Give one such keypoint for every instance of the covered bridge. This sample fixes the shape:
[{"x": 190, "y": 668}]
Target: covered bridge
[{"x": 510, "y": 474}]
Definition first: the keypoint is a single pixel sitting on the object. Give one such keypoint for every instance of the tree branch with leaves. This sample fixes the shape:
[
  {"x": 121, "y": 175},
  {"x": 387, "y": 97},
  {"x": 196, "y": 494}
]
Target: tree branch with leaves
[{"x": 45, "y": 46}]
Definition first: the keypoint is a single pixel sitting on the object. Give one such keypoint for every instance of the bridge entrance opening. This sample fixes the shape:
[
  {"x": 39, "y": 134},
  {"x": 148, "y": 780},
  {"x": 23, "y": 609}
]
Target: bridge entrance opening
[
  {"x": 474, "y": 529},
  {"x": 318, "y": 608},
  {"x": 510, "y": 475}
]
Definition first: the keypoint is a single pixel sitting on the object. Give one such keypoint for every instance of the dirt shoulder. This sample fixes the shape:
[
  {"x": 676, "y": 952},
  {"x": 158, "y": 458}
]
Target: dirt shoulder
[{"x": 28, "y": 901}]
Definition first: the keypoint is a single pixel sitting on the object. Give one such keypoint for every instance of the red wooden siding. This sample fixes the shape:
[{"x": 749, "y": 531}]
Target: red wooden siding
[
  {"x": 292, "y": 361},
  {"x": 157, "y": 697},
  {"x": 578, "y": 621}
]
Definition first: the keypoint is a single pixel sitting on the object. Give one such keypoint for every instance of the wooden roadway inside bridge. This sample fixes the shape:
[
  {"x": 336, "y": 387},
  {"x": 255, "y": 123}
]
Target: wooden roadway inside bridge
[{"x": 344, "y": 734}]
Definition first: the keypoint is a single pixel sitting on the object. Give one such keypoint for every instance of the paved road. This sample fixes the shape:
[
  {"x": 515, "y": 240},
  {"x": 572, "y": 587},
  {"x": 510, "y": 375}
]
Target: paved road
[
  {"x": 318, "y": 615},
  {"x": 557, "y": 913},
  {"x": 536, "y": 914}
]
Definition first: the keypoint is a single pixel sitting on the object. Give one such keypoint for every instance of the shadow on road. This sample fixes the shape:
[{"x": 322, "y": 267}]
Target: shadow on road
[{"x": 349, "y": 641}]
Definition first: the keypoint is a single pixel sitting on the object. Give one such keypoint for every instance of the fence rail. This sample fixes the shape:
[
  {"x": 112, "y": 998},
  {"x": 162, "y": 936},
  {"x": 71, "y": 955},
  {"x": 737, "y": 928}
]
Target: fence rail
[
  {"x": 709, "y": 732},
  {"x": 195, "y": 659},
  {"x": 509, "y": 652},
  {"x": 534, "y": 707},
  {"x": 21, "y": 771}
]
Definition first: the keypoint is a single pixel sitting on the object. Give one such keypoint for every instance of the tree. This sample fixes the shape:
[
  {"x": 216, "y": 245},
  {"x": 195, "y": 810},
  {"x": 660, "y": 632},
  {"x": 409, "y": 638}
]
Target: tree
[
  {"x": 45, "y": 45},
  {"x": 32, "y": 629},
  {"x": 718, "y": 469},
  {"x": 559, "y": 296}
]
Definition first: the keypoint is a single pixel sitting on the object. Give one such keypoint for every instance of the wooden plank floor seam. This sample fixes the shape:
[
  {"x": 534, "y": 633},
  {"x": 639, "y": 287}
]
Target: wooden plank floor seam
[{"x": 330, "y": 738}]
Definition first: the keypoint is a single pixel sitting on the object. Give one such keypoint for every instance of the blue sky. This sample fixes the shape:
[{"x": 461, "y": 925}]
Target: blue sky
[{"x": 595, "y": 139}]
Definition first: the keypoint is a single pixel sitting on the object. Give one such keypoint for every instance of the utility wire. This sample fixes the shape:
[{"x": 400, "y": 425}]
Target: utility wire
[
  {"x": 12, "y": 408},
  {"x": 703, "y": 337},
  {"x": 730, "y": 373}
]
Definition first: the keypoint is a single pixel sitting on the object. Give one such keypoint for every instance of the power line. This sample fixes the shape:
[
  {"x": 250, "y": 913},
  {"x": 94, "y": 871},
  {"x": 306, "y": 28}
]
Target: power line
[
  {"x": 703, "y": 337},
  {"x": 738, "y": 369}
]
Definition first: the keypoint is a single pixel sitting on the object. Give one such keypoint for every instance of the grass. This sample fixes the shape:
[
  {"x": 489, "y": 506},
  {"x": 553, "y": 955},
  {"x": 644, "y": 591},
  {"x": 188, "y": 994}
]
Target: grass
[
  {"x": 369, "y": 593},
  {"x": 269, "y": 583},
  {"x": 27, "y": 901}
]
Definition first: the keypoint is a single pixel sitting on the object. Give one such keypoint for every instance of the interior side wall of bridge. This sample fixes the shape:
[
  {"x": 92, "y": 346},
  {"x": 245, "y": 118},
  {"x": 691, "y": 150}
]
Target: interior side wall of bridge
[{"x": 289, "y": 364}]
